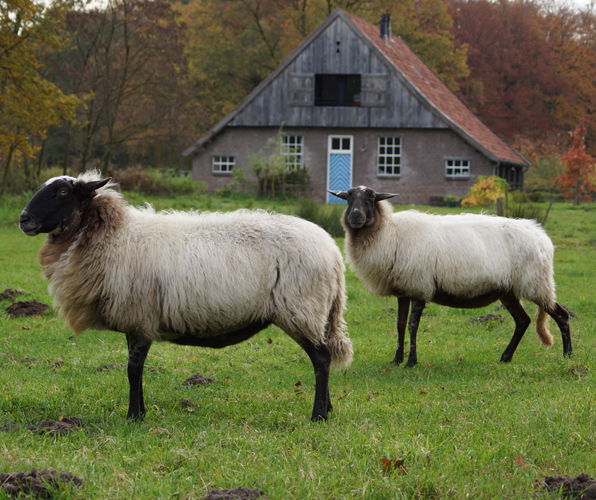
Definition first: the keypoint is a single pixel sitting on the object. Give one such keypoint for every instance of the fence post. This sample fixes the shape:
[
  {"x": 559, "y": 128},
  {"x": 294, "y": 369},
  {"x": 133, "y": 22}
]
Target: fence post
[{"x": 500, "y": 210}]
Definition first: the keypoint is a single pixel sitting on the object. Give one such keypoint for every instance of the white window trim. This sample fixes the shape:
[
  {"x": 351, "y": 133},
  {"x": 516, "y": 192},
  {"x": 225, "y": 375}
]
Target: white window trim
[
  {"x": 393, "y": 155},
  {"x": 462, "y": 175},
  {"x": 218, "y": 159},
  {"x": 284, "y": 150}
]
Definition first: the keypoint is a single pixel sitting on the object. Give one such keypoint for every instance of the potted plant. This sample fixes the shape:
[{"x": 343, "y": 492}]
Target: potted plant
[{"x": 452, "y": 201}]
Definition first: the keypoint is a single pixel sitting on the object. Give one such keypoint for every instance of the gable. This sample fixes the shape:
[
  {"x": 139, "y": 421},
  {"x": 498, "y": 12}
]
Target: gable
[
  {"x": 398, "y": 90},
  {"x": 288, "y": 97}
]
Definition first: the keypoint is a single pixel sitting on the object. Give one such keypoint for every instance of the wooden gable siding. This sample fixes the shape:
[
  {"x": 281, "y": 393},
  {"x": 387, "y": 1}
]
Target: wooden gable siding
[{"x": 275, "y": 106}]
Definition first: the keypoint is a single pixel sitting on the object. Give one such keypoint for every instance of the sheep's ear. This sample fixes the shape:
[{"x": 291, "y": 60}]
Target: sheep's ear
[
  {"x": 340, "y": 194},
  {"x": 384, "y": 196},
  {"x": 89, "y": 188}
]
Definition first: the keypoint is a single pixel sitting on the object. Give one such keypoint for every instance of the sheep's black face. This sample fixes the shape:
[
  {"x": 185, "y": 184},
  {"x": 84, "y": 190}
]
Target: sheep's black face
[
  {"x": 54, "y": 206},
  {"x": 361, "y": 205}
]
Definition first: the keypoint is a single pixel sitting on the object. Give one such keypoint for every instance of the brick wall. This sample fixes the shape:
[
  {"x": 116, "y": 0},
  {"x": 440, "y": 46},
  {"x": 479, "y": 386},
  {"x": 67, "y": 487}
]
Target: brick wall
[{"x": 422, "y": 165}]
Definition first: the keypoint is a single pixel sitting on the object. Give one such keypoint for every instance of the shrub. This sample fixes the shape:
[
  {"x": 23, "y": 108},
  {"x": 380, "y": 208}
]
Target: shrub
[
  {"x": 485, "y": 191},
  {"x": 326, "y": 216},
  {"x": 153, "y": 181}
]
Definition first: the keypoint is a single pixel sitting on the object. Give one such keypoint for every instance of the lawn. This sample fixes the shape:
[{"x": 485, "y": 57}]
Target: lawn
[{"x": 464, "y": 424}]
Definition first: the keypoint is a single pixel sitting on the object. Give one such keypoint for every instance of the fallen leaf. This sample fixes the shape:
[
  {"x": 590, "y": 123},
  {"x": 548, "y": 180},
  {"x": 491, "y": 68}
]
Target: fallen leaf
[
  {"x": 397, "y": 465},
  {"x": 298, "y": 384},
  {"x": 580, "y": 370},
  {"x": 269, "y": 341},
  {"x": 519, "y": 461},
  {"x": 422, "y": 391}
]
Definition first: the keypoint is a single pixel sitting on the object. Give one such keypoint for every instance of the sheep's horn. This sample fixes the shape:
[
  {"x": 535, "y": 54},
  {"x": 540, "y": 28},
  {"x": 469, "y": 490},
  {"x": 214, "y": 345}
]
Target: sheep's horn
[
  {"x": 384, "y": 196},
  {"x": 340, "y": 194}
]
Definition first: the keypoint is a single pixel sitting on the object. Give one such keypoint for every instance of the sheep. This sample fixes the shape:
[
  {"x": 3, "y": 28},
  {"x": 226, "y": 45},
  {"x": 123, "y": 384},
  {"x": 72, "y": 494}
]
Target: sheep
[
  {"x": 200, "y": 279},
  {"x": 463, "y": 261}
]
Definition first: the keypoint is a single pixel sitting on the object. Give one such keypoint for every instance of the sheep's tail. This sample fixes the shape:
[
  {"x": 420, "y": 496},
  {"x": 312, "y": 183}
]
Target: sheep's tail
[
  {"x": 542, "y": 327},
  {"x": 337, "y": 340}
]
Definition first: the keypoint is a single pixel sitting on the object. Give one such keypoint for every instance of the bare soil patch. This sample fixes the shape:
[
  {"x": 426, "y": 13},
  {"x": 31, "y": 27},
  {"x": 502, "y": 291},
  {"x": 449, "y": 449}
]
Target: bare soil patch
[
  {"x": 9, "y": 294},
  {"x": 60, "y": 427},
  {"x": 105, "y": 368},
  {"x": 36, "y": 484},
  {"x": 26, "y": 308},
  {"x": 198, "y": 379},
  {"x": 487, "y": 317},
  {"x": 582, "y": 487},
  {"x": 241, "y": 493},
  {"x": 48, "y": 426},
  {"x": 187, "y": 404}
]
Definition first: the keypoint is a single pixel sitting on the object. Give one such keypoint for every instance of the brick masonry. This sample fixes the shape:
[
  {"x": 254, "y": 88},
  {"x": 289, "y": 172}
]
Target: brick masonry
[{"x": 422, "y": 165}]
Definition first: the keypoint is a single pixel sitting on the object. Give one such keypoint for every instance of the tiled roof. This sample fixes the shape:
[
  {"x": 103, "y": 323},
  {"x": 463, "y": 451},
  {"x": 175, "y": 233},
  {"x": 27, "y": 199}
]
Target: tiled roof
[{"x": 437, "y": 94}]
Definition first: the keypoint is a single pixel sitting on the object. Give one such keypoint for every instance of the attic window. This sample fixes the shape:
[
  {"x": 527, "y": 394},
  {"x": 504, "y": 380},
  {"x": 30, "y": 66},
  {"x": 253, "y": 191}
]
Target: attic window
[{"x": 337, "y": 90}]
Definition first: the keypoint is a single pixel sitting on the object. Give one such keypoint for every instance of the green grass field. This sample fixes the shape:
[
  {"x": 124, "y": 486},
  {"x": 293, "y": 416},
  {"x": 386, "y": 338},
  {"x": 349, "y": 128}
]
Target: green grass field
[{"x": 465, "y": 425}]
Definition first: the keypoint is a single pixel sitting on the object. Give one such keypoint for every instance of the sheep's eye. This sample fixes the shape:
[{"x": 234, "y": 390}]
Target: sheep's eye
[{"x": 63, "y": 192}]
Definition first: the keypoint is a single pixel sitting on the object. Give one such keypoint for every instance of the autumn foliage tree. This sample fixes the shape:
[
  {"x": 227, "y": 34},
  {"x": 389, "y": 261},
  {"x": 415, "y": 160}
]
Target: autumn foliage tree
[
  {"x": 126, "y": 62},
  {"x": 29, "y": 104},
  {"x": 513, "y": 83},
  {"x": 579, "y": 176}
]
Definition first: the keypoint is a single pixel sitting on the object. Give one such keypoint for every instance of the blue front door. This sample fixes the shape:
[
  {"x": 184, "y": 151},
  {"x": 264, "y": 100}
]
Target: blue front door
[{"x": 339, "y": 162}]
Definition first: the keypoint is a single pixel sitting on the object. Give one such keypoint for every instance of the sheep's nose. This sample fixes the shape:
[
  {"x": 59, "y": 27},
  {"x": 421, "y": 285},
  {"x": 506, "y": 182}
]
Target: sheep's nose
[{"x": 24, "y": 218}]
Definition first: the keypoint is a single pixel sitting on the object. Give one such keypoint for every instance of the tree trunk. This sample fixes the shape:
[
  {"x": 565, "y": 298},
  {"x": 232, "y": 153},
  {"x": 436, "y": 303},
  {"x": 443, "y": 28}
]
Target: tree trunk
[
  {"x": 40, "y": 158},
  {"x": 6, "y": 169}
]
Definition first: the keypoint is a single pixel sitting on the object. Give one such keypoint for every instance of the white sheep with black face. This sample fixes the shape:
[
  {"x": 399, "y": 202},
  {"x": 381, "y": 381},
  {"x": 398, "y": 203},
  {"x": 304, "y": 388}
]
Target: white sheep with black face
[
  {"x": 203, "y": 279},
  {"x": 463, "y": 261}
]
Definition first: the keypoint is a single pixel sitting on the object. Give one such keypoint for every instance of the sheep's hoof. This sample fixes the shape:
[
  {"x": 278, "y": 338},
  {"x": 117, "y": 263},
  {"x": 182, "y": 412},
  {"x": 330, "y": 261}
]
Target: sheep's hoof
[
  {"x": 505, "y": 359},
  {"x": 397, "y": 361},
  {"x": 318, "y": 418},
  {"x": 411, "y": 364}
]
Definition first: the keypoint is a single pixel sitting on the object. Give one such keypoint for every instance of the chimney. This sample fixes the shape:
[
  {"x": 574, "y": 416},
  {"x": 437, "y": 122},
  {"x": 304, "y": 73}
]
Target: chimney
[{"x": 385, "y": 26}]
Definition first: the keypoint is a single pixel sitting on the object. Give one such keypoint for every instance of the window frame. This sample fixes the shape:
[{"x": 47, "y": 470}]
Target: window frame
[
  {"x": 393, "y": 156},
  {"x": 230, "y": 163},
  {"x": 284, "y": 151},
  {"x": 462, "y": 160}
]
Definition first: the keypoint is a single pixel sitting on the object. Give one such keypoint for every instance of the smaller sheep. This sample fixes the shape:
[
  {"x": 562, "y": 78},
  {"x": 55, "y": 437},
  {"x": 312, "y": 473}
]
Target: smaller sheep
[
  {"x": 198, "y": 279},
  {"x": 463, "y": 261}
]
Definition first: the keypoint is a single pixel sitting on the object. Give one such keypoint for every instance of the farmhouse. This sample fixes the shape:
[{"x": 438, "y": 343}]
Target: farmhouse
[{"x": 356, "y": 106}]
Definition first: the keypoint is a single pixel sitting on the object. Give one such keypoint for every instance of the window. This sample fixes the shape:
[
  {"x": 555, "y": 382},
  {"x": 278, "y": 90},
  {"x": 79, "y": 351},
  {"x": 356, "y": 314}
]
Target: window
[
  {"x": 337, "y": 90},
  {"x": 389, "y": 156},
  {"x": 292, "y": 149},
  {"x": 457, "y": 168},
  {"x": 223, "y": 164}
]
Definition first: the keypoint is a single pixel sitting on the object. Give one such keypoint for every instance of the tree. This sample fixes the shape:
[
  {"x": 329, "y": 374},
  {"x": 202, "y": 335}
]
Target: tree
[
  {"x": 572, "y": 38},
  {"x": 127, "y": 63},
  {"x": 29, "y": 104},
  {"x": 579, "y": 176},
  {"x": 513, "y": 80}
]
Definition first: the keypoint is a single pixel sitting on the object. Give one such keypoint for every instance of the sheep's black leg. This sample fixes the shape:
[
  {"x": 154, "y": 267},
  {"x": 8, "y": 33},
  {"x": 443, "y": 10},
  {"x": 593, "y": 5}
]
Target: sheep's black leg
[
  {"x": 137, "y": 353},
  {"x": 417, "y": 308},
  {"x": 320, "y": 356},
  {"x": 561, "y": 316},
  {"x": 403, "y": 308},
  {"x": 522, "y": 321}
]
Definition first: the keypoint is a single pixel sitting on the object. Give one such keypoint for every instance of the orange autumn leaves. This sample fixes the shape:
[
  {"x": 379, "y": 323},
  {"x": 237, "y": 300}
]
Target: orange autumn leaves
[{"x": 579, "y": 177}]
